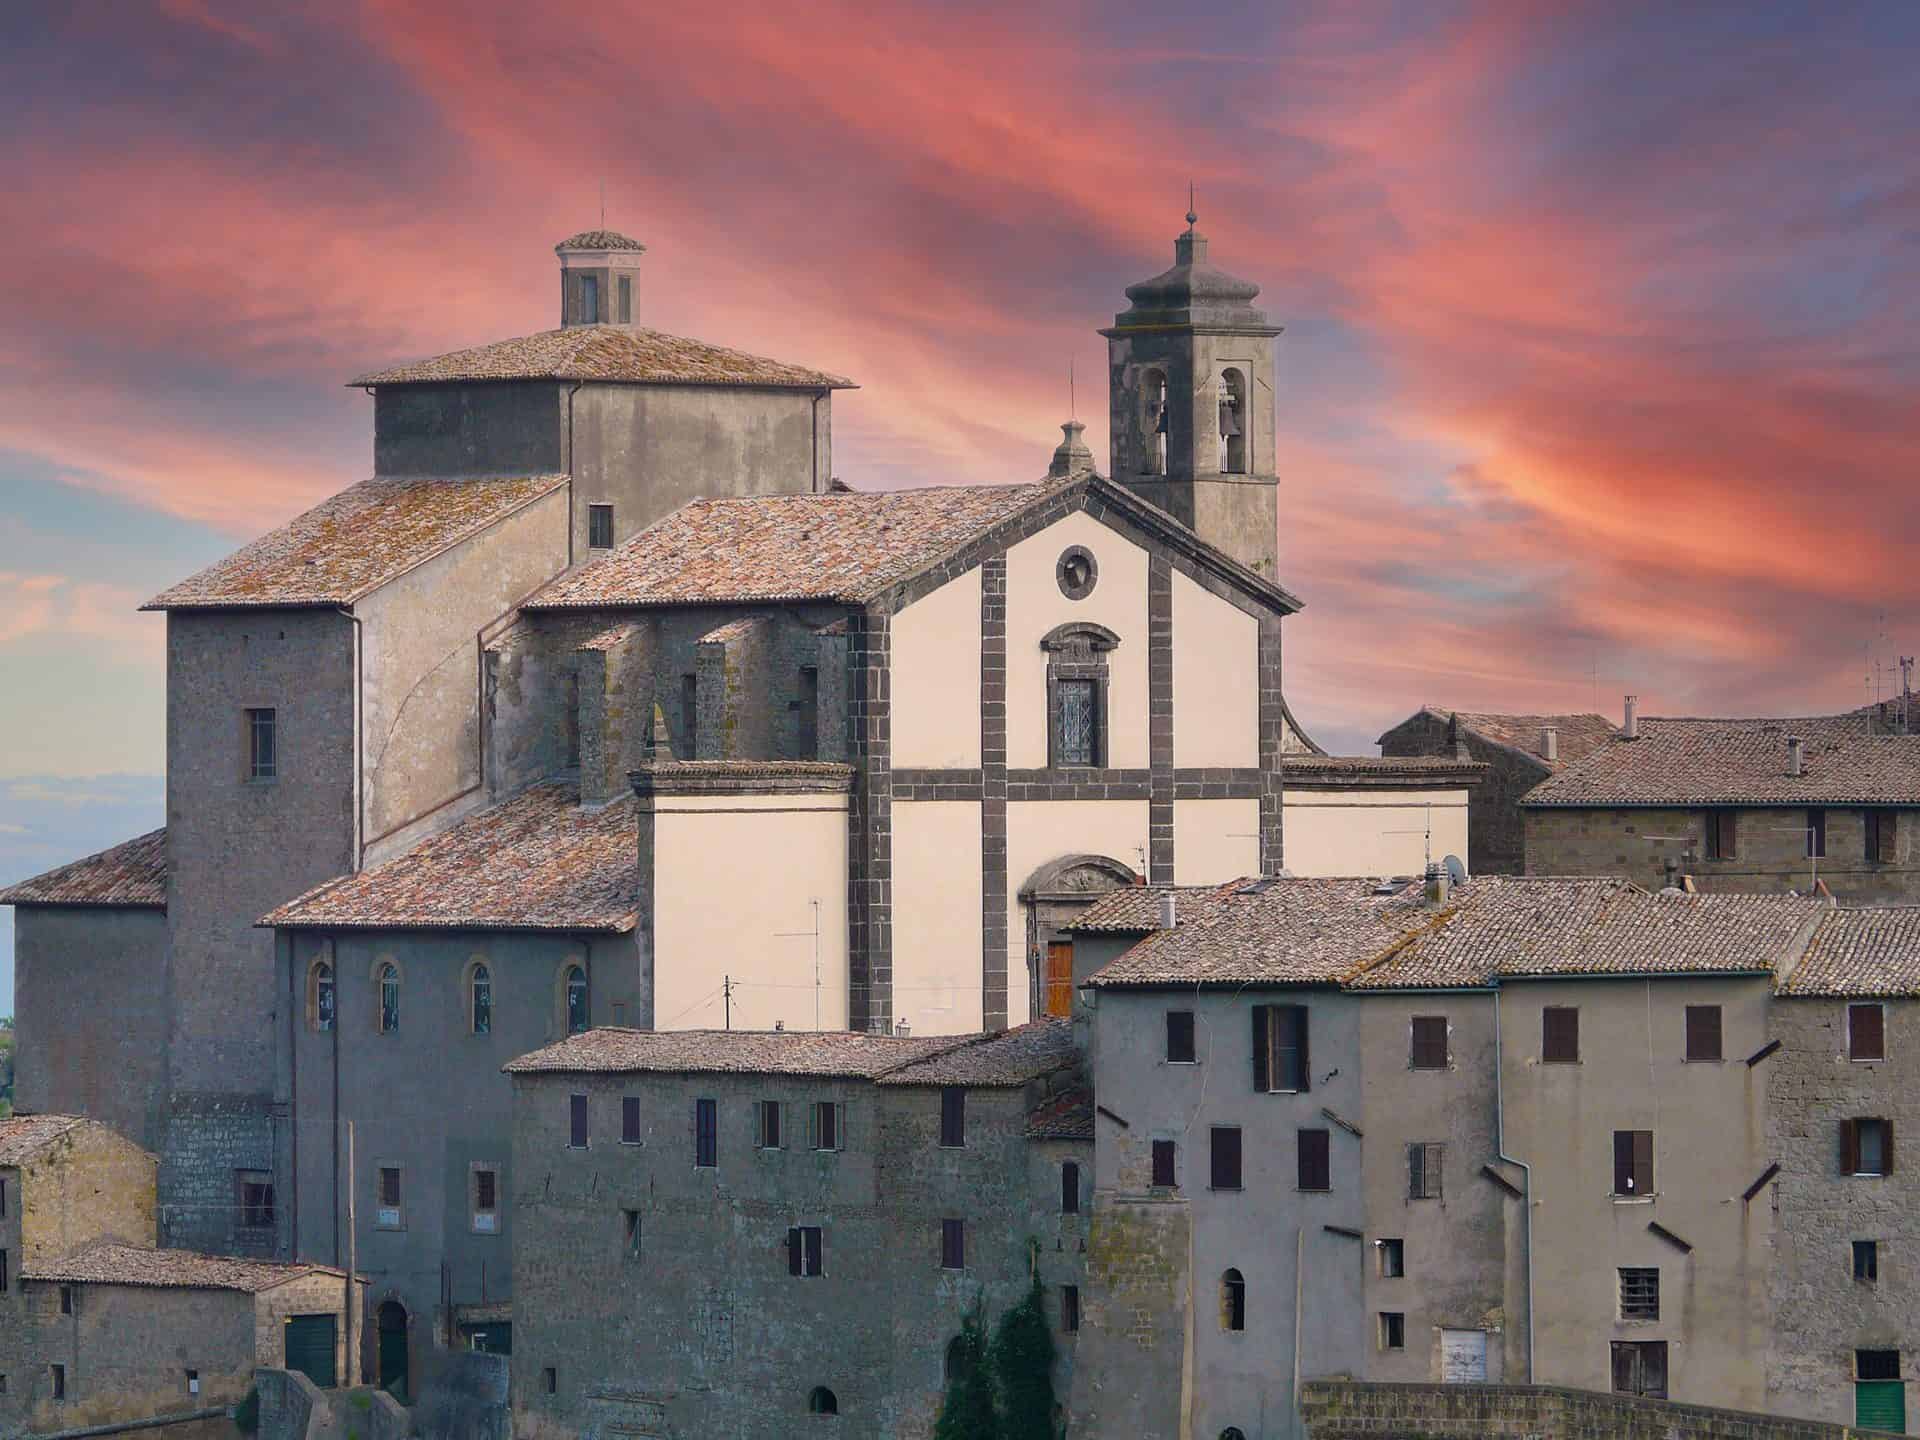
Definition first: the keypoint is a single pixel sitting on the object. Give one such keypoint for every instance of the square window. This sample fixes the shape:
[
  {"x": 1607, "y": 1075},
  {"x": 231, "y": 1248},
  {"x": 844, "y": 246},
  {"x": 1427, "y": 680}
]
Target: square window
[
  {"x": 1560, "y": 1035},
  {"x": 629, "y": 1119},
  {"x": 600, "y": 527},
  {"x": 1632, "y": 1163},
  {"x": 1425, "y": 1162},
  {"x": 706, "y": 1134},
  {"x": 1180, "y": 1049},
  {"x": 576, "y": 1122},
  {"x": 1393, "y": 1330},
  {"x": 263, "y": 745},
  {"x": 1866, "y": 1261},
  {"x": 1393, "y": 1258},
  {"x": 1225, "y": 1155},
  {"x": 1315, "y": 1166},
  {"x": 1163, "y": 1168},
  {"x": 1639, "y": 1293},
  {"x": 953, "y": 1118},
  {"x": 1866, "y": 1032},
  {"x": 767, "y": 1117},
  {"x": 953, "y": 1244},
  {"x": 1429, "y": 1042},
  {"x": 1703, "y": 1033}
]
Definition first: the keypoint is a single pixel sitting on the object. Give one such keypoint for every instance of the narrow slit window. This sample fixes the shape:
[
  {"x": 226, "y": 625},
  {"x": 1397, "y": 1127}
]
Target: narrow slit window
[
  {"x": 577, "y": 1003},
  {"x": 389, "y": 998},
  {"x": 706, "y": 1134},
  {"x": 953, "y": 1118},
  {"x": 1233, "y": 1301},
  {"x": 953, "y": 1244},
  {"x": 263, "y": 744},
  {"x": 631, "y": 1226},
  {"x": 480, "y": 1010},
  {"x": 629, "y": 1119},
  {"x": 576, "y": 1122},
  {"x": 600, "y": 527},
  {"x": 1816, "y": 834},
  {"x": 1070, "y": 1309},
  {"x": 1069, "y": 1188}
]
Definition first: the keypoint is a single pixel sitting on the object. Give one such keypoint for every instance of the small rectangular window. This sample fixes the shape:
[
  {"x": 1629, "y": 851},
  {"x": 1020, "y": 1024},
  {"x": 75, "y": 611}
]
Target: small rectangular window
[
  {"x": 1876, "y": 1364},
  {"x": 1429, "y": 1042},
  {"x": 953, "y": 1244},
  {"x": 806, "y": 710},
  {"x": 1883, "y": 836},
  {"x": 1425, "y": 1162},
  {"x": 1560, "y": 1035},
  {"x": 1393, "y": 1330},
  {"x": 1639, "y": 1293},
  {"x": 804, "y": 1250},
  {"x": 389, "y": 1185},
  {"x": 706, "y": 1134},
  {"x": 600, "y": 527},
  {"x": 576, "y": 1122},
  {"x": 1076, "y": 723},
  {"x": 253, "y": 1197},
  {"x": 629, "y": 1119},
  {"x": 387, "y": 1213},
  {"x": 689, "y": 717},
  {"x": 3, "y": 1272},
  {"x": 1721, "y": 831},
  {"x": 767, "y": 1116},
  {"x": 1632, "y": 1163},
  {"x": 1069, "y": 1188},
  {"x": 1866, "y": 1032},
  {"x": 1866, "y": 1261},
  {"x": 1070, "y": 1309},
  {"x": 1703, "y": 1032},
  {"x": 630, "y": 1222},
  {"x": 1163, "y": 1169},
  {"x": 1280, "y": 1059},
  {"x": 589, "y": 299},
  {"x": 1393, "y": 1258},
  {"x": 1180, "y": 1049},
  {"x": 626, "y": 300},
  {"x": 1866, "y": 1146},
  {"x": 486, "y": 1202},
  {"x": 1816, "y": 834},
  {"x": 263, "y": 745},
  {"x": 824, "y": 1125},
  {"x": 1640, "y": 1368},
  {"x": 66, "y": 1299},
  {"x": 1225, "y": 1155},
  {"x": 1315, "y": 1159},
  {"x": 59, "y": 1381},
  {"x": 193, "y": 1382},
  {"x": 550, "y": 1381},
  {"x": 953, "y": 1118}
]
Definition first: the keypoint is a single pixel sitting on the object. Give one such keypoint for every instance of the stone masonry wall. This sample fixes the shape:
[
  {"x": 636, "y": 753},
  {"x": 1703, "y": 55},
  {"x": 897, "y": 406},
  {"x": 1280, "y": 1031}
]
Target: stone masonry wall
[
  {"x": 1352, "y": 1410},
  {"x": 1496, "y": 834}
]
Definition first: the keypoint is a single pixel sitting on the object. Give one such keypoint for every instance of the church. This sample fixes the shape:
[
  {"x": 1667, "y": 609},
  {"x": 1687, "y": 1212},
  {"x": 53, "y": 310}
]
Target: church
[{"x": 604, "y": 703}]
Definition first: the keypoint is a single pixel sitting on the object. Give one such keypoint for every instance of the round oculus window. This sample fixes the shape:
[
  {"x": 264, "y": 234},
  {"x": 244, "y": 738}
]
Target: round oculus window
[{"x": 1077, "y": 572}]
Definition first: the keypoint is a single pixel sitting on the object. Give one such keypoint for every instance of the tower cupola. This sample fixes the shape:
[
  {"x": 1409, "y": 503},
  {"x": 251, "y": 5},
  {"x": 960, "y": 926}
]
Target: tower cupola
[{"x": 599, "y": 278}]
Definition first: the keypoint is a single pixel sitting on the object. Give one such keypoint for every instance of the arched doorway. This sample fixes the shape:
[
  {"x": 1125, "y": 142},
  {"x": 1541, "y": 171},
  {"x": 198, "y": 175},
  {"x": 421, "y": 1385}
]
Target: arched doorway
[
  {"x": 391, "y": 1323},
  {"x": 1052, "y": 898}
]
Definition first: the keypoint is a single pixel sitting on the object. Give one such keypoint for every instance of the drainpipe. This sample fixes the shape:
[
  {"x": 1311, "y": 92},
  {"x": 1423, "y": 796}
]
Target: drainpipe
[
  {"x": 359, "y": 737},
  {"x": 1500, "y": 1151},
  {"x": 816, "y": 440},
  {"x": 573, "y": 477}
]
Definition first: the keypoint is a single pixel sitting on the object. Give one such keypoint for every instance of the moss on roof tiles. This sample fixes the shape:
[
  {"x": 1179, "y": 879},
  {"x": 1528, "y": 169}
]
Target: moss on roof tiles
[
  {"x": 615, "y": 354},
  {"x": 132, "y": 874}
]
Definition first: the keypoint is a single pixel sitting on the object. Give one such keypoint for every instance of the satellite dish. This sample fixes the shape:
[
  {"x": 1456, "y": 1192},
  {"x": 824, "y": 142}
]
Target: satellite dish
[{"x": 1456, "y": 872}]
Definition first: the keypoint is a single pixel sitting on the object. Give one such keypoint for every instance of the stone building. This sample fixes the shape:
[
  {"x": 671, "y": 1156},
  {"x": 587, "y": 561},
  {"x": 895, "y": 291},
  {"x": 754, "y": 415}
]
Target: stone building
[
  {"x": 1519, "y": 752},
  {"x": 738, "y": 1232},
  {"x": 1757, "y": 806},
  {"x": 1527, "y": 1130}
]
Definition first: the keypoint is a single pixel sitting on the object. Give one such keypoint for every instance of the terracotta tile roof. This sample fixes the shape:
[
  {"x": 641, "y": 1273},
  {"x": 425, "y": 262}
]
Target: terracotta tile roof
[
  {"x": 599, "y": 240},
  {"x": 1320, "y": 931},
  {"x": 133, "y": 873},
  {"x": 1579, "y": 735},
  {"x": 610, "y": 638},
  {"x": 352, "y": 544},
  {"x": 616, "y": 354},
  {"x": 1066, "y": 1116},
  {"x": 535, "y": 862},
  {"x": 847, "y": 547},
  {"x": 1132, "y": 909},
  {"x": 22, "y": 1136},
  {"x": 114, "y": 1264},
  {"x": 1010, "y": 1057},
  {"x": 1375, "y": 771},
  {"x": 1864, "y": 953},
  {"x": 1741, "y": 762}
]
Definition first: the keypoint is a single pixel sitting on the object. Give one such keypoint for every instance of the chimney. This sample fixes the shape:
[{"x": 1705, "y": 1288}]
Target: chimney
[
  {"x": 1631, "y": 729},
  {"x": 1167, "y": 917},
  {"x": 1436, "y": 884},
  {"x": 1549, "y": 743},
  {"x": 1796, "y": 755}
]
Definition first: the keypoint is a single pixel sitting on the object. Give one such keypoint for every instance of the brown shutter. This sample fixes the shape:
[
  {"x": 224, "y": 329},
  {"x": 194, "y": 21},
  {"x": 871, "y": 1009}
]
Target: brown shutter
[
  {"x": 1643, "y": 1162},
  {"x": 1849, "y": 1147},
  {"x": 1416, "y": 1172},
  {"x": 1703, "y": 1032},
  {"x": 1262, "y": 1066},
  {"x": 1300, "y": 1042},
  {"x": 1623, "y": 1162},
  {"x": 795, "y": 1251},
  {"x": 1886, "y": 1146},
  {"x": 1866, "y": 1032}
]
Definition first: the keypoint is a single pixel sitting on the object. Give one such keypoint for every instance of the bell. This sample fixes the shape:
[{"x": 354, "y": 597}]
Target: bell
[
  {"x": 1160, "y": 425},
  {"x": 1229, "y": 419}
]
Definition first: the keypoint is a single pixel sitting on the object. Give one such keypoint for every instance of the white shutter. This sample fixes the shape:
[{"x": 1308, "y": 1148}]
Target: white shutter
[{"x": 1463, "y": 1357}]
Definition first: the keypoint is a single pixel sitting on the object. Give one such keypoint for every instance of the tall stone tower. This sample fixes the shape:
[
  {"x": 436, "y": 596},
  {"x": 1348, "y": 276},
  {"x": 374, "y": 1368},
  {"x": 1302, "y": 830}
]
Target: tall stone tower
[
  {"x": 599, "y": 278},
  {"x": 1190, "y": 369}
]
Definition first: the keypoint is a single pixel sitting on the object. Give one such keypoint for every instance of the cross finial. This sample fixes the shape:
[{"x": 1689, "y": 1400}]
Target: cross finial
[
  {"x": 1192, "y": 219},
  {"x": 1073, "y": 406}
]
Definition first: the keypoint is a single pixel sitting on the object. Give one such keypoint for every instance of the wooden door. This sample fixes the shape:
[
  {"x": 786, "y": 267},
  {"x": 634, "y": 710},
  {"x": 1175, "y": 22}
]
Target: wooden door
[{"x": 1060, "y": 978}]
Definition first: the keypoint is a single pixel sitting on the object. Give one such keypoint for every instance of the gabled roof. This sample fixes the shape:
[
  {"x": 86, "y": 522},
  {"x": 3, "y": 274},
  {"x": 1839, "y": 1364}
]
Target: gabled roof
[
  {"x": 1577, "y": 735},
  {"x": 131, "y": 874},
  {"x": 1009, "y": 1057},
  {"x": 110, "y": 1263},
  {"x": 24, "y": 1136},
  {"x": 348, "y": 546},
  {"x": 1366, "y": 936},
  {"x": 614, "y": 354},
  {"x": 1861, "y": 954},
  {"x": 1065, "y": 1116},
  {"x": 537, "y": 862},
  {"x": 847, "y": 547},
  {"x": 1741, "y": 762}
]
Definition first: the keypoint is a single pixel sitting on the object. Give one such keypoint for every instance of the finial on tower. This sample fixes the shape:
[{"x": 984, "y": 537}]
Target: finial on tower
[
  {"x": 1071, "y": 457},
  {"x": 1192, "y": 218}
]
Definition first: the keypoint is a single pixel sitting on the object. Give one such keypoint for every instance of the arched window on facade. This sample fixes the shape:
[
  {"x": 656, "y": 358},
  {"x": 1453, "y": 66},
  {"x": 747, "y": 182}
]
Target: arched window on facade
[
  {"x": 1233, "y": 1432},
  {"x": 1153, "y": 421},
  {"x": 1233, "y": 1301},
  {"x": 389, "y": 978},
  {"x": 480, "y": 999},
  {"x": 320, "y": 1008},
  {"x": 822, "y": 1402},
  {"x": 576, "y": 991},
  {"x": 1233, "y": 422}
]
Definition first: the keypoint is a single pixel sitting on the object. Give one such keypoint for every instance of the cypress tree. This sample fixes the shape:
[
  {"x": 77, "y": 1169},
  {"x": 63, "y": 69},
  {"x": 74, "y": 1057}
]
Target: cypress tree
[
  {"x": 1022, "y": 1355},
  {"x": 967, "y": 1410}
]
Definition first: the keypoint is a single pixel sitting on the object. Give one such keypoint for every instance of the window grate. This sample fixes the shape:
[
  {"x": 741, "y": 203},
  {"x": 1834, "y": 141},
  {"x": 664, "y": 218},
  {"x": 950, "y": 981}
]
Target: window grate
[{"x": 1639, "y": 1294}]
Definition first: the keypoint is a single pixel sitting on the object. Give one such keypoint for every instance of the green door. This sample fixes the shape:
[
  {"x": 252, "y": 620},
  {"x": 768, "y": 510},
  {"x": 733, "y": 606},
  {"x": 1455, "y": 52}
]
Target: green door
[
  {"x": 1880, "y": 1405},
  {"x": 392, "y": 1320},
  {"x": 310, "y": 1342}
]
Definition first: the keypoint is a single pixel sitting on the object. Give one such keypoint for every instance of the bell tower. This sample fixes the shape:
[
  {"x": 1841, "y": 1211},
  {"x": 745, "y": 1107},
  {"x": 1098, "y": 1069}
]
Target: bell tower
[
  {"x": 599, "y": 278},
  {"x": 1190, "y": 374}
]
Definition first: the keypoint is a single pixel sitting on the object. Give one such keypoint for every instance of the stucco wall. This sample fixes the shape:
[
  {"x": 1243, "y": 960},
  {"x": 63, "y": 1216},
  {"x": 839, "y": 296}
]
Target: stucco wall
[
  {"x": 1216, "y": 680},
  {"x": 1710, "y": 1144},
  {"x": 1215, "y": 840},
  {"x": 1372, "y": 831},
  {"x": 936, "y": 882},
  {"x": 709, "y": 925},
  {"x": 1035, "y": 605},
  {"x": 936, "y": 678},
  {"x": 104, "y": 967}
]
